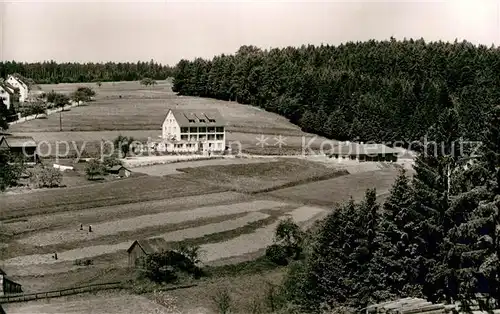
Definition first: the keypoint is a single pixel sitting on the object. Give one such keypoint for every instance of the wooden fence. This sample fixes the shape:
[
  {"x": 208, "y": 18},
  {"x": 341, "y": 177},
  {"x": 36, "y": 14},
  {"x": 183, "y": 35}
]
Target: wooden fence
[{"x": 59, "y": 293}]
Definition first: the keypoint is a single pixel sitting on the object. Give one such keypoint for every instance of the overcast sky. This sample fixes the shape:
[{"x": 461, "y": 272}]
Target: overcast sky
[{"x": 168, "y": 31}]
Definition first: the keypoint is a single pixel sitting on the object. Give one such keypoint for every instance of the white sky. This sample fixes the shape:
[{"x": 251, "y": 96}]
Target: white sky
[{"x": 170, "y": 30}]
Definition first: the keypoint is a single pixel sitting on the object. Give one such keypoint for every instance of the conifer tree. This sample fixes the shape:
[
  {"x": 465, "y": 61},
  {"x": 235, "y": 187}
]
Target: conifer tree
[{"x": 398, "y": 241}]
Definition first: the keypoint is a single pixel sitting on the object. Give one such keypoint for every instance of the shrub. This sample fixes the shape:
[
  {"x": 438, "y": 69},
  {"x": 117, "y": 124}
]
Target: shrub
[
  {"x": 94, "y": 169},
  {"x": 277, "y": 254},
  {"x": 111, "y": 161},
  {"x": 222, "y": 301},
  {"x": 45, "y": 177},
  {"x": 83, "y": 262},
  {"x": 165, "y": 266}
]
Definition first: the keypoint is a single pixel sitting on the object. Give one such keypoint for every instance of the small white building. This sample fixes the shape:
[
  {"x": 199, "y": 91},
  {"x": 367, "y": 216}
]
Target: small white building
[
  {"x": 19, "y": 84},
  {"x": 192, "y": 131},
  {"x": 7, "y": 93}
]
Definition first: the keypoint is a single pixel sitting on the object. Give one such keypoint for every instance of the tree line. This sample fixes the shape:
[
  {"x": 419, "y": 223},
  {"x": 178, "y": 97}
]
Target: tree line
[
  {"x": 436, "y": 236},
  {"x": 382, "y": 91},
  {"x": 53, "y": 73}
]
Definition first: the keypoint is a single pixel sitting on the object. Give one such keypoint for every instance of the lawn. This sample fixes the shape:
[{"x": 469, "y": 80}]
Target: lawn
[
  {"x": 264, "y": 176},
  {"x": 329, "y": 192}
]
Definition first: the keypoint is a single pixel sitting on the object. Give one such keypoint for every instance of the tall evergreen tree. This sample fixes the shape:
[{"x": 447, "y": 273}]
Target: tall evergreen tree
[{"x": 398, "y": 256}]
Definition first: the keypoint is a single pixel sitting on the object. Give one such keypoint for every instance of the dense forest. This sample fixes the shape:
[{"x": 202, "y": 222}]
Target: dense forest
[
  {"x": 370, "y": 91},
  {"x": 53, "y": 73},
  {"x": 436, "y": 236}
]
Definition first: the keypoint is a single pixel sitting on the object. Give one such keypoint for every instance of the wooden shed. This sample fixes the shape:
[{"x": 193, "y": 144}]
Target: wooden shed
[
  {"x": 145, "y": 247},
  {"x": 8, "y": 286},
  {"x": 120, "y": 171},
  {"x": 21, "y": 146},
  {"x": 364, "y": 152}
]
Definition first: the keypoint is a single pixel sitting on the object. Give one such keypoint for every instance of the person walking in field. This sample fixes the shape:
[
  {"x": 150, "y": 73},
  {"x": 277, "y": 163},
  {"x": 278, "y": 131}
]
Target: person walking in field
[
  {"x": 81, "y": 226},
  {"x": 55, "y": 255},
  {"x": 90, "y": 228}
]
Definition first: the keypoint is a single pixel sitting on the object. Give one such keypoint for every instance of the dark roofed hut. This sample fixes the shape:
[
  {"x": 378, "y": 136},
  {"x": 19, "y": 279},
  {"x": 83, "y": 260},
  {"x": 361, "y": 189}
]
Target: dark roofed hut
[
  {"x": 8, "y": 286},
  {"x": 364, "y": 152},
  {"x": 145, "y": 247},
  {"x": 120, "y": 171},
  {"x": 24, "y": 147}
]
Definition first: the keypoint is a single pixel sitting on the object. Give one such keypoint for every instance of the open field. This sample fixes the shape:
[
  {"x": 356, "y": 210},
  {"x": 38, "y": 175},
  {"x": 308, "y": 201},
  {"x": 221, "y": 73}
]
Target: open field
[
  {"x": 144, "y": 108},
  {"x": 144, "y": 221},
  {"x": 126, "y": 191},
  {"x": 112, "y": 302},
  {"x": 329, "y": 192},
  {"x": 193, "y": 300},
  {"x": 168, "y": 169},
  {"x": 262, "y": 176}
]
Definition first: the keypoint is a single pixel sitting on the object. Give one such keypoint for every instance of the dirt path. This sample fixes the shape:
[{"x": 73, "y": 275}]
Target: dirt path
[{"x": 145, "y": 221}]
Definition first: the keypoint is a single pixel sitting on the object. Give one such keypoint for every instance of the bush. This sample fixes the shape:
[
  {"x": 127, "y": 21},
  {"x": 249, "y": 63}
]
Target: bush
[
  {"x": 83, "y": 262},
  {"x": 222, "y": 301},
  {"x": 45, "y": 177},
  {"x": 111, "y": 161},
  {"x": 94, "y": 169},
  {"x": 165, "y": 266},
  {"x": 277, "y": 254},
  {"x": 83, "y": 94}
]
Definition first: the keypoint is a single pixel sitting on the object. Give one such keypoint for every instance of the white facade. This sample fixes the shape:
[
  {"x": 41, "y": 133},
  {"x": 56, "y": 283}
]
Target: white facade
[
  {"x": 23, "y": 88},
  {"x": 171, "y": 129},
  {"x": 5, "y": 96},
  {"x": 199, "y": 136}
]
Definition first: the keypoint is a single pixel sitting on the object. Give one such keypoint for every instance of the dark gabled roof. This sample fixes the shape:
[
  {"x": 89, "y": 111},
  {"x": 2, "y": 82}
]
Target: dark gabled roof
[
  {"x": 18, "y": 78},
  {"x": 8, "y": 88},
  {"x": 3, "y": 142},
  {"x": 20, "y": 141},
  {"x": 116, "y": 168},
  {"x": 352, "y": 148},
  {"x": 189, "y": 117},
  {"x": 150, "y": 246}
]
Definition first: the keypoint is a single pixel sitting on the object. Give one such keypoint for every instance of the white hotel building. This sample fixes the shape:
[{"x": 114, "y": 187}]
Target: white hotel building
[{"x": 193, "y": 131}]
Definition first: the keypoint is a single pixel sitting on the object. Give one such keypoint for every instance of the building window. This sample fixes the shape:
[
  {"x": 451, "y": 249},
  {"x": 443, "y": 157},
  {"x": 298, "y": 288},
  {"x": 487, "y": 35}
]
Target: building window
[
  {"x": 220, "y": 137},
  {"x": 202, "y": 129},
  {"x": 191, "y": 121},
  {"x": 184, "y": 137},
  {"x": 220, "y": 129},
  {"x": 211, "y": 120},
  {"x": 193, "y": 130},
  {"x": 184, "y": 130},
  {"x": 202, "y": 120},
  {"x": 211, "y": 129}
]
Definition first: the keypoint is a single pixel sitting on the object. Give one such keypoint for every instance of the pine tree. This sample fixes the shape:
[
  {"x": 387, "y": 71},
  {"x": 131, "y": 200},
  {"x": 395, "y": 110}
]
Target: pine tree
[
  {"x": 398, "y": 255},
  {"x": 480, "y": 234},
  {"x": 432, "y": 184},
  {"x": 328, "y": 279}
]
